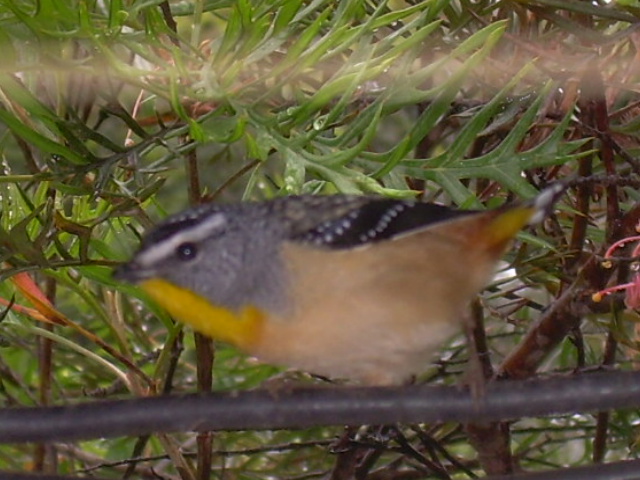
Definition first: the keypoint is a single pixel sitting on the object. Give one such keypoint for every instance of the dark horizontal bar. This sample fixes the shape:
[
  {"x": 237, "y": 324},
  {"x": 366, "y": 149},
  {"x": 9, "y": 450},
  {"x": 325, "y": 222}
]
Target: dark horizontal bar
[{"x": 295, "y": 408}]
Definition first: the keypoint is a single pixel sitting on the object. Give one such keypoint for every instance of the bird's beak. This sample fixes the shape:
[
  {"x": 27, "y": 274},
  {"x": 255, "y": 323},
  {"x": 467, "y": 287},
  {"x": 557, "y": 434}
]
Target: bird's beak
[{"x": 129, "y": 272}]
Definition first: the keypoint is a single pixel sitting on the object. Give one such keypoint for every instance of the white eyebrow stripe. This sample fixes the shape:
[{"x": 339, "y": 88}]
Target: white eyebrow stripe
[{"x": 166, "y": 247}]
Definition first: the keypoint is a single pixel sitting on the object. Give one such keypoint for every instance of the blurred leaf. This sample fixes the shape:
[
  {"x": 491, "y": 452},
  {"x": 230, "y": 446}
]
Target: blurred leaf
[{"x": 44, "y": 309}]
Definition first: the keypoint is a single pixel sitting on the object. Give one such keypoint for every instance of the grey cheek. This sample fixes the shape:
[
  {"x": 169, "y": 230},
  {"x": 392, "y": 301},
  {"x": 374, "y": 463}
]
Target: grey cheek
[
  {"x": 217, "y": 277},
  {"x": 228, "y": 257}
]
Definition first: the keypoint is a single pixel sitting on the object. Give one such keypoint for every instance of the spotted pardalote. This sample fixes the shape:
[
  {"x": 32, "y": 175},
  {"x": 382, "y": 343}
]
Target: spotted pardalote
[{"x": 355, "y": 287}]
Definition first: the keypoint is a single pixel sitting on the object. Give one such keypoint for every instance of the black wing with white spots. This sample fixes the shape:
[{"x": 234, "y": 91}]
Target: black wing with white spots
[
  {"x": 374, "y": 221},
  {"x": 333, "y": 221}
]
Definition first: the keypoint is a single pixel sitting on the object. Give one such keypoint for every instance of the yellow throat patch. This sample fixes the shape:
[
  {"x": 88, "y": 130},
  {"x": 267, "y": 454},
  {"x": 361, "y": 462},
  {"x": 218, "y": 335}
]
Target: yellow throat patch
[{"x": 238, "y": 328}]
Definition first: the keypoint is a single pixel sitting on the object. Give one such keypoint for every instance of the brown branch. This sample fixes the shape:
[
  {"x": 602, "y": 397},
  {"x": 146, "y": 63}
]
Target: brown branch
[
  {"x": 492, "y": 441},
  {"x": 542, "y": 338},
  {"x": 602, "y": 418}
]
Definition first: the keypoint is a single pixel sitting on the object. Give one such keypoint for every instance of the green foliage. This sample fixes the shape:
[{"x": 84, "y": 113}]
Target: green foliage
[{"x": 114, "y": 113}]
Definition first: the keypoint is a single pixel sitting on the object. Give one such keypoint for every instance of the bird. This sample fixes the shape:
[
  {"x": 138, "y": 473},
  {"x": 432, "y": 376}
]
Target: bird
[{"x": 354, "y": 287}]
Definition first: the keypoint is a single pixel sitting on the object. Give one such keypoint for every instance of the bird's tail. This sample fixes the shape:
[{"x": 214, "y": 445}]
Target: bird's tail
[
  {"x": 543, "y": 203},
  {"x": 507, "y": 222}
]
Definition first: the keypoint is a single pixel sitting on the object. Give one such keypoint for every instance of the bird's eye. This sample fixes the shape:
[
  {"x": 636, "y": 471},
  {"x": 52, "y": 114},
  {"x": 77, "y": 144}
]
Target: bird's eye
[{"x": 187, "y": 251}]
